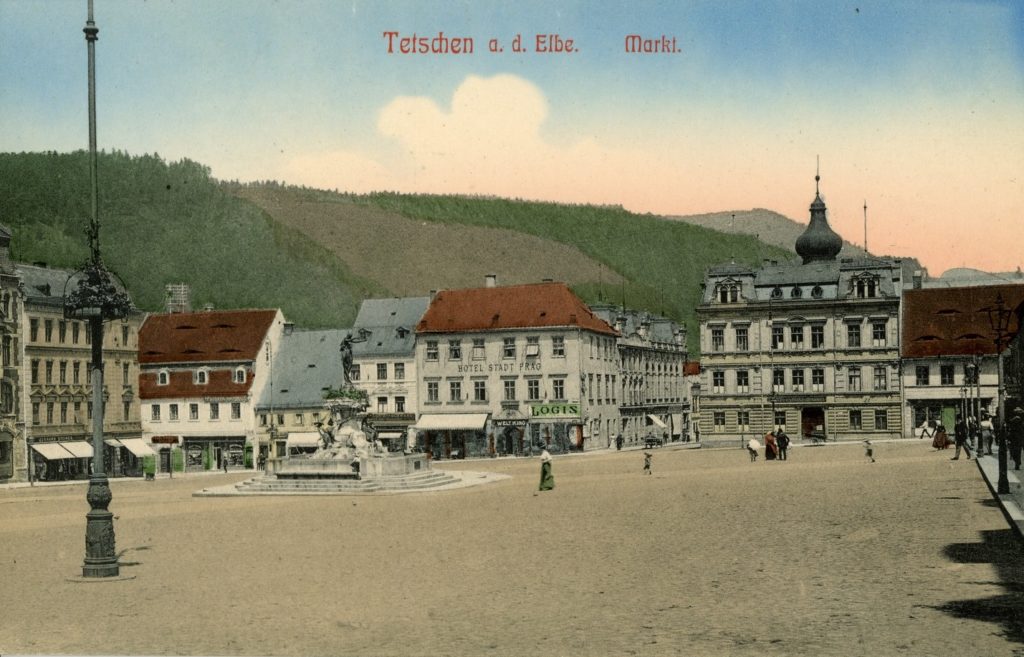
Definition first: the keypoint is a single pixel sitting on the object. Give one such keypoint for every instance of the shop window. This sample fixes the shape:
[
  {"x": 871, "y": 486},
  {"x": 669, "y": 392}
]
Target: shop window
[
  {"x": 743, "y": 420},
  {"x": 881, "y": 420},
  {"x": 855, "y": 420},
  {"x": 780, "y": 420},
  {"x": 719, "y": 419}
]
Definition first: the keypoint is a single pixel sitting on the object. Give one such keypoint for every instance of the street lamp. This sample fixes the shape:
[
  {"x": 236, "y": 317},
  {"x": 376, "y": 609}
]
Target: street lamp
[
  {"x": 95, "y": 300},
  {"x": 999, "y": 320}
]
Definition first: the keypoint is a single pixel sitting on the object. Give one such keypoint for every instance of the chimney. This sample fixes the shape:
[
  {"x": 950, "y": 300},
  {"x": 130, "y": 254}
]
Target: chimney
[
  {"x": 491, "y": 280},
  {"x": 433, "y": 293},
  {"x": 918, "y": 276},
  {"x": 179, "y": 297},
  {"x": 643, "y": 330}
]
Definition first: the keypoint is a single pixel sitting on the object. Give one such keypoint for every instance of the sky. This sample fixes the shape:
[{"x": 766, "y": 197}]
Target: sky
[{"x": 915, "y": 109}]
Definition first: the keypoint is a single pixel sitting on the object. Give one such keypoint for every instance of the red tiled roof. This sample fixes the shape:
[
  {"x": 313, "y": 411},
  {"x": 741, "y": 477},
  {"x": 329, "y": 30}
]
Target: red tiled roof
[
  {"x": 514, "y": 306},
  {"x": 952, "y": 321},
  {"x": 216, "y": 335},
  {"x": 179, "y": 385}
]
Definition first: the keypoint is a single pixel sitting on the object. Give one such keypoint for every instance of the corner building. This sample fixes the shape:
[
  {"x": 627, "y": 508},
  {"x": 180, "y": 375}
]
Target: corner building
[
  {"x": 507, "y": 370},
  {"x": 809, "y": 347}
]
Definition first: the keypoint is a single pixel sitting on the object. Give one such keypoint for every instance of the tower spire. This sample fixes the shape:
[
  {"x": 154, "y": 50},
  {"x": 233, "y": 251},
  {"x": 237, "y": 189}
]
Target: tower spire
[
  {"x": 865, "y": 226},
  {"x": 817, "y": 174}
]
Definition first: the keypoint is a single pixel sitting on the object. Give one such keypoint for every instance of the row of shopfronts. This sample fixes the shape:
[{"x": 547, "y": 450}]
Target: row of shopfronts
[{"x": 55, "y": 460}]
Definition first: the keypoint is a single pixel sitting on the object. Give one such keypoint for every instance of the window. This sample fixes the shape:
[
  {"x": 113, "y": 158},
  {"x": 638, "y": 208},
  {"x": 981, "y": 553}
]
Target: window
[
  {"x": 717, "y": 339},
  {"x": 33, "y": 329},
  {"x": 455, "y": 391},
  {"x": 75, "y": 371},
  {"x": 126, "y": 374},
  {"x": 215, "y": 413},
  {"x": 399, "y": 404},
  {"x": 480, "y": 391},
  {"x": 797, "y": 377},
  {"x": 88, "y": 411},
  {"x": 817, "y": 379},
  {"x": 922, "y": 374},
  {"x": 742, "y": 341},
  {"x": 201, "y": 377},
  {"x": 263, "y": 419},
  {"x": 508, "y": 348},
  {"x": 355, "y": 372},
  {"x": 240, "y": 375},
  {"x": 74, "y": 332},
  {"x": 35, "y": 412},
  {"x": 853, "y": 335},
  {"x": 510, "y": 389},
  {"x": 299, "y": 420},
  {"x": 878, "y": 334},
  {"x": 236, "y": 411},
  {"x": 35, "y": 371},
  {"x": 163, "y": 377},
  {"x": 382, "y": 371},
  {"x": 433, "y": 394},
  {"x": 49, "y": 371},
  {"x": 62, "y": 331},
  {"x": 780, "y": 420},
  {"x": 796, "y": 292},
  {"x": 49, "y": 412},
  {"x": 124, "y": 335},
  {"x": 881, "y": 420},
  {"x": 172, "y": 412},
  {"x": 779, "y": 380},
  {"x": 479, "y": 353},
  {"x": 776, "y": 293},
  {"x": 796, "y": 337},
  {"x": 743, "y": 420},
  {"x": 719, "y": 421},
  {"x": 946, "y": 375},
  {"x": 728, "y": 293},
  {"x": 558, "y": 388},
  {"x": 880, "y": 378},
  {"x": 399, "y": 371},
  {"x": 855, "y": 420},
  {"x": 718, "y": 381},
  {"x": 853, "y": 377},
  {"x": 48, "y": 330},
  {"x": 866, "y": 287},
  {"x": 154, "y": 412},
  {"x": 778, "y": 337},
  {"x": 532, "y": 346},
  {"x": 280, "y": 419},
  {"x": 193, "y": 411},
  {"x": 817, "y": 336},
  {"x": 63, "y": 412},
  {"x": 432, "y": 350},
  {"x": 742, "y": 381},
  {"x": 63, "y": 371},
  {"x": 558, "y": 346},
  {"x": 533, "y": 389},
  {"x": 7, "y": 350},
  {"x": 382, "y": 404},
  {"x": 316, "y": 415},
  {"x": 455, "y": 350}
]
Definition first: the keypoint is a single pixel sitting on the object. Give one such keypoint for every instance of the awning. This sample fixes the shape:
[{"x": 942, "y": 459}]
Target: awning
[
  {"x": 387, "y": 435},
  {"x": 111, "y": 442},
  {"x": 452, "y": 421},
  {"x": 52, "y": 451},
  {"x": 304, "y": 439},
  {"x": 656, "y": 420},
  {"x": 79, "y": 448},
  {"x": 138, "y": 447}
]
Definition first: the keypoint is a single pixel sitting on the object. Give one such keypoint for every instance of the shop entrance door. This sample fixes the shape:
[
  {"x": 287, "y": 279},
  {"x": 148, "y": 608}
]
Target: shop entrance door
[
  {"x": 165, "y": 460},
  {"x": 812, "y": 420}
]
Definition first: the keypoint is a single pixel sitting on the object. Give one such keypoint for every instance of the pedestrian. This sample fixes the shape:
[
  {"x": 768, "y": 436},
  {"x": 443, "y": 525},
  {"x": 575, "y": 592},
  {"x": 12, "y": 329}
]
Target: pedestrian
[
  {"x": 869, "y": 451},
  {"x": 988, "y": 432},
  {"x": 1015, "y": 435},
  {"x": 547, "y": 479},
  {"x": 960, "y": 437},
  {"x": 770, "y": 447},
  {"x": 782, "y": 441},
  {"x": 224, "y": 462},
  {"x": 262, "y": 461},
  {"x": 618, "y": 442},
  {"x": 941, "y": 440},
  {"x": 647, "y": 463},
  {"x": 752, "y": 446}
]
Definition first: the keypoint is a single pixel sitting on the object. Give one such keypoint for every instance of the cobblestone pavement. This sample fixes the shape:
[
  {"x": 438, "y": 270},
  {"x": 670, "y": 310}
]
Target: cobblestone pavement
[{"x": 825, "y": 554}]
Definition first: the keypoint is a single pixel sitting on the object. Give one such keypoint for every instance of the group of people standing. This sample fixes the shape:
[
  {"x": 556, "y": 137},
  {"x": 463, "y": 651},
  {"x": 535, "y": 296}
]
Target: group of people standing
[
  {"x": 978, "y": 436},
  {"x": 776, "y": 446}
]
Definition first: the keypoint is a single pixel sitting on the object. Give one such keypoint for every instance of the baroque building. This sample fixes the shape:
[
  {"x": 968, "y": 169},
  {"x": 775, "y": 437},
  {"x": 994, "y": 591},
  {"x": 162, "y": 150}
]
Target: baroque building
[{"x": 810, "y": 347}]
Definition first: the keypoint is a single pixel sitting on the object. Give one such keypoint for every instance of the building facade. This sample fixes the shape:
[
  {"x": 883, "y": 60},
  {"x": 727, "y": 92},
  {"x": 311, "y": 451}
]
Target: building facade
[
  {"x": 810, "y": 347},
  {"x": 14, "y": 457},
  {"x": 58, "y": 394},
  {"x": 202, "y": 376},
  {"x": 508, "y": 370},
  {"x": 653, "y": 395}
]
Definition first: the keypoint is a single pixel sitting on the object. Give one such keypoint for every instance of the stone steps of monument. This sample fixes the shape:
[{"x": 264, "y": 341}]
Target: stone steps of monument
[{"x": 418, "y": 481}]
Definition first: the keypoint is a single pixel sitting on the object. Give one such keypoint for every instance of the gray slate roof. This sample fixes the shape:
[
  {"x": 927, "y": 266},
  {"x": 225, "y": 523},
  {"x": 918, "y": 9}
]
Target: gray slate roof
[
  {"x": 387, "y": 327},
  {"x": 47, "y": 285},
  {"x": 305, "y": 364}
]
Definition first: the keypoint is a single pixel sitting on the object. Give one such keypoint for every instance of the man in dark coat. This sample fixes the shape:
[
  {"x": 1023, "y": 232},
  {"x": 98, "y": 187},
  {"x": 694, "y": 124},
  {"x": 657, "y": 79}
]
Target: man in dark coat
[
  {"x": 960, "y": 438},
  {"x": 1015, "y": 435}
]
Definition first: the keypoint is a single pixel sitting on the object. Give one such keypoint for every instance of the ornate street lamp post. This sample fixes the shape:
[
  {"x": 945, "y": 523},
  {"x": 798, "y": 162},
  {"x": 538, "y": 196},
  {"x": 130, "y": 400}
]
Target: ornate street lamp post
[
  {"x": 96, "y": 299},
  {"x": 999, "y": 320}
]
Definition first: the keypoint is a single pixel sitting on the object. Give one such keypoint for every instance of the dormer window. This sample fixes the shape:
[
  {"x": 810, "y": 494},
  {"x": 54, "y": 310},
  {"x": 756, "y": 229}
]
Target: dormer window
[
  {"x": 240, "y": 375},
  {"x": 728, "y": 292},
  {"x": 201, "y": 377},
  {"x": 777, "y": 293},
  {"x": 163, "y": 377},
  {"x": 796, "y": 293},
  {"x": 865, "y": 286},
  {"x": 816, "y": 292}
]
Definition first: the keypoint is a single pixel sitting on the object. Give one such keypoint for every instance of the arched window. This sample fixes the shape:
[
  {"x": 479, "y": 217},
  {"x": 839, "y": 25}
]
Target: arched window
[
  {"x": 240, "y": 375},
  {"x": 163, "y": 377}
]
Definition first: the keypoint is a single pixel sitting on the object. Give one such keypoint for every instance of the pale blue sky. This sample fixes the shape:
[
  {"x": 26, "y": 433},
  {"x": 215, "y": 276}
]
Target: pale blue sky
[{"x": 915, "y": 106}]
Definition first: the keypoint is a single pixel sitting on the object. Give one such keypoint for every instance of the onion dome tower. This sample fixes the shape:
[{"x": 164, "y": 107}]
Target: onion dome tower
[{"x": 819, "y": 242}]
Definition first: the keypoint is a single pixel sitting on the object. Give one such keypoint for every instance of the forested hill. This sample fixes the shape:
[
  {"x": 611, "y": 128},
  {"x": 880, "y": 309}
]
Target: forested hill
[{"x": 316, "y": 254}]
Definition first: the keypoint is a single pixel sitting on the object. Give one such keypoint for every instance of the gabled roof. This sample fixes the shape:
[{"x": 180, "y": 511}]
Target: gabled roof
[
  {"x": 305, "y": 364},
  {"x": 953, "y": 321},
  {"x": 539, "y": 305},
  {"x": 201, "y": 337},
  {"x": 394, "y": 312}
]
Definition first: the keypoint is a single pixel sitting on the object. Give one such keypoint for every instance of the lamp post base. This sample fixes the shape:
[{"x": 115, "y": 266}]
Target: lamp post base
[
  {"x": 100, "y": 557},
  {"x": 1003, "y": 484}
]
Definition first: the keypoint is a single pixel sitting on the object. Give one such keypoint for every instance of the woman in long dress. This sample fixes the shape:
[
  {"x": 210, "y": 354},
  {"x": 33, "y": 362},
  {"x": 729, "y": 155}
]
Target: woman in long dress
[
  {"x": 547, "y": 480},
  {"x": 770, "y": 448}
]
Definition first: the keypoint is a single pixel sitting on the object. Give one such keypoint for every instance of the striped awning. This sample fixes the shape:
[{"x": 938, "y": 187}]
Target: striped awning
[
  {"x": 79, "y": 448},
  {"x": 452, "y": 421},
  {"x": 138, "y": 447},
  {"x": 52, "y": 451},
  {"x": 304, "y": 439}
]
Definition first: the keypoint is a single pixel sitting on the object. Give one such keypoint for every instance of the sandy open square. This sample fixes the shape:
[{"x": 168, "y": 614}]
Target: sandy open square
[{"x": 825, "y": 554}]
